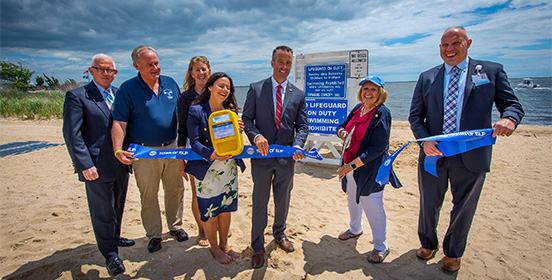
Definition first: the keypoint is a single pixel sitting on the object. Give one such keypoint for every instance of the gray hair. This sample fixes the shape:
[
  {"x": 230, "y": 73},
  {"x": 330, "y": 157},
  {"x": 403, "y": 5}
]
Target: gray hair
[
  {"x": 135, "y": 55},
  {"x": 99, "y": 56}
]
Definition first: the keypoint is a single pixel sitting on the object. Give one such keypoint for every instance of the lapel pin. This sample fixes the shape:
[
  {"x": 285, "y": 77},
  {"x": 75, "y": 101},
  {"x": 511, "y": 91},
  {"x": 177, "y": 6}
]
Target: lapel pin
[{"x": 478, "y": 68}]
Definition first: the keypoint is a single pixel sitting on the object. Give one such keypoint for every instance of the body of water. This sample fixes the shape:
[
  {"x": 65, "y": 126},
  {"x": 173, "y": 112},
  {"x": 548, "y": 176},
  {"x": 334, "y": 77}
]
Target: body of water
[{"x": 537, "y": 102}]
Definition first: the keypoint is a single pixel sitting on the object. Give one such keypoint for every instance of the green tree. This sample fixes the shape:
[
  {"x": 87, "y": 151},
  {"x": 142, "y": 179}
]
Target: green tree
[
  {"x": 39, "y": 81},
  {"x": 17, "y": 74},
  {"x": 53, "y": 82}
]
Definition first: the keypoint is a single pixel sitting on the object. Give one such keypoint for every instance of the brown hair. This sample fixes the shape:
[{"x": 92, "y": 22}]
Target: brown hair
[
  {"x": 230, "y": 101},
  {"x": 189, "y": 82}
]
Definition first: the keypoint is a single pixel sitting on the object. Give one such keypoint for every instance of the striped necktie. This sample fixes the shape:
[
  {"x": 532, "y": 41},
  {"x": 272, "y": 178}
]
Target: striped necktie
[
  {"x": 449, "y": 118},
  {"x": 110, "y": 98},
  {"x": 278, "y": 105}
]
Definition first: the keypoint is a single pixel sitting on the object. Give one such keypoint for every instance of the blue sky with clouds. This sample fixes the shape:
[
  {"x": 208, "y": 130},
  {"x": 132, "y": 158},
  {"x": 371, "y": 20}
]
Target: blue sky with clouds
[{"x": 58, "y": 37}]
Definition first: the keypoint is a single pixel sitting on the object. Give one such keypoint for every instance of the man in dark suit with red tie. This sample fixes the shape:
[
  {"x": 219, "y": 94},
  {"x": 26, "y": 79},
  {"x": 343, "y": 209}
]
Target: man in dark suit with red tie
[
  {"x": 452, "y": 97},
  {"x": 87, "y": 124},
  {"x": 274, "y": 113}
]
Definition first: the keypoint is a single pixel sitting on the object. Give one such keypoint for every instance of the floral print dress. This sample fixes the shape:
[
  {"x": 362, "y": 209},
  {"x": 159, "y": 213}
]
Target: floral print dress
[{"x": 218, "y": 191}]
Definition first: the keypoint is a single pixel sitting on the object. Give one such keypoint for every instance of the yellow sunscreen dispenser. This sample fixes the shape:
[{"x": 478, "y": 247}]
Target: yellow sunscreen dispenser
[{"x": 225, "y": 133}]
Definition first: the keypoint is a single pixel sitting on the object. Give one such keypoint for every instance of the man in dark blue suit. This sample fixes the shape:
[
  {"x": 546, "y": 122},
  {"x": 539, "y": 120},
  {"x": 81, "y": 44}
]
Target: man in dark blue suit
[
  {"x": 275, "y": 112},
  {"x": 87, "y": 124},
  {"x": 457, "y": 96}
]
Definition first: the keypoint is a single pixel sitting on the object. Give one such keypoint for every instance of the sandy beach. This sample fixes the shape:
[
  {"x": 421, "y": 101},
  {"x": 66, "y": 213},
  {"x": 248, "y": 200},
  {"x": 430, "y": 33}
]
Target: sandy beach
[{"x": 46, "y": 231}]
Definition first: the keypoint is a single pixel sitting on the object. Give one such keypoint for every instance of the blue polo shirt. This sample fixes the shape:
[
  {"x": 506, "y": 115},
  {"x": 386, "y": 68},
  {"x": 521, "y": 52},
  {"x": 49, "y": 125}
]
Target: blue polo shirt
[{"x": 151, "y": 119}]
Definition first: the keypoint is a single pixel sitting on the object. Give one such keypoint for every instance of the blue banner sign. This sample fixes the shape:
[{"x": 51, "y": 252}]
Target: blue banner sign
[
  {"x": 449, "y": 144},
  {"x": 325, "y": 115},
  {"x": 326, "y": 81}
]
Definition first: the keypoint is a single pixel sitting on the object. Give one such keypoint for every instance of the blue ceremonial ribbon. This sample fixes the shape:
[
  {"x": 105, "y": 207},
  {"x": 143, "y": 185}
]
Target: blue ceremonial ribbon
[
  {"x": 145, "y": 152},
  {"x": 248, "y": 152},
  {"x": 450, "y": 145}
]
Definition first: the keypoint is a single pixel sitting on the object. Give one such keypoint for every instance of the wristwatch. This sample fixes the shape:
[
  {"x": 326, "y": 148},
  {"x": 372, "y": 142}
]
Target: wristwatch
[
  {"x": 512, "y": 119},
  {"x": 353, "y": 165}
]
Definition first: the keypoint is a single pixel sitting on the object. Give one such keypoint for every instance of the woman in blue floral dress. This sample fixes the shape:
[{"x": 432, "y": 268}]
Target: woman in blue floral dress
[{"x": 216, "y": 176}]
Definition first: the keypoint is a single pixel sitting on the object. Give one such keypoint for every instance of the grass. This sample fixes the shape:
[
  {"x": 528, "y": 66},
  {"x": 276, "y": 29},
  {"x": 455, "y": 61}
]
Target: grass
[{"x": 31, "y": 105}]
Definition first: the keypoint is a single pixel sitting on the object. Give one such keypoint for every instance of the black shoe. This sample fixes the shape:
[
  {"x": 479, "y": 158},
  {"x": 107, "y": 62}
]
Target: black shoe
[
  {"x": 115, "y": 266},
  {"x": 154, "y": 244},
  {"x": 124, "y": 242},
  {"x": 180, "y": 235}
]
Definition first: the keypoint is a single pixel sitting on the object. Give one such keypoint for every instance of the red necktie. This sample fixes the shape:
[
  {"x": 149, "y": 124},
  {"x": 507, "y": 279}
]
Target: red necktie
[{"x": 278, "y": 105}]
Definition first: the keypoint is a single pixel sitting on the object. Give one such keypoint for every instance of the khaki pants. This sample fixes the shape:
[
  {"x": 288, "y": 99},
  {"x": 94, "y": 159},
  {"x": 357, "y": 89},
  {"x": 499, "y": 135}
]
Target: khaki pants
[{"x": 148, "y": 174}]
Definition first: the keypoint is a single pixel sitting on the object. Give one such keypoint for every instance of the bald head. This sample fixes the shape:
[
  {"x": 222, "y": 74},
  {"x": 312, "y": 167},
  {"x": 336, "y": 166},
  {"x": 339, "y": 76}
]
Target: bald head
[
  {"x": 461, "y": 31},
  {"x": 454, "y": 45}
]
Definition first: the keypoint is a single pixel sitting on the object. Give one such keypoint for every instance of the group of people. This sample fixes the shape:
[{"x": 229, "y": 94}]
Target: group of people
[{"x": 100, "y": 121}]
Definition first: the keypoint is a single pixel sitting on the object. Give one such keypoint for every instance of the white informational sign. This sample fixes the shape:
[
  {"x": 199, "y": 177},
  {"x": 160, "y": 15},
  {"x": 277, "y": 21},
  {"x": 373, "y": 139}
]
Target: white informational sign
[{"x": 358, "y": 64}]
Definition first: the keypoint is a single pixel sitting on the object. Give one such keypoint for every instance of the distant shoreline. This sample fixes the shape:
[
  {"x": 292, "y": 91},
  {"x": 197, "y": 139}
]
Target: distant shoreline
[{"x": 510, "y": 78}]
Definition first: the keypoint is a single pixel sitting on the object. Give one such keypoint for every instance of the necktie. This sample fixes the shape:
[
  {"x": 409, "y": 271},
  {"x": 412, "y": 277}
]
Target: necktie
[
  {"x": 278, "y": 105},
  {"x": 110, "y": 98},
  {"x": 449, "y": 119}
]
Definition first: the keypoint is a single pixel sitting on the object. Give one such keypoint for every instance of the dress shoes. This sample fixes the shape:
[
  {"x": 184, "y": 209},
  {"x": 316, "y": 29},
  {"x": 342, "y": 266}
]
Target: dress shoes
[
  {"x": 124, "y": 242},
  {"x": 115, "y": 266},
  {"x": 180, "y": 235},
  {"x": 257, "y": 260},
  {"x": 285, "y": 244},
  {"x": 451, "y": 264},
  {"x": 425, "y": 254},
  {"x": 154, "y": 244}
]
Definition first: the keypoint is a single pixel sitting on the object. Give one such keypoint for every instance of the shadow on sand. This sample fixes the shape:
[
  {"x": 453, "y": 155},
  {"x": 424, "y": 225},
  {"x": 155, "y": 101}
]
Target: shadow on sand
[
  {"x": 177, "y": 259},
  {"x": 342, "y": 257}
]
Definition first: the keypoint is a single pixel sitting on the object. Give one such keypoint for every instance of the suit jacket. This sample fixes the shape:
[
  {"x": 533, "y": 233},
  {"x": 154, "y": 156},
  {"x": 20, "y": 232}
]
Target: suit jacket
[
  {"x": 200, "y": 140},
  {"x": 259, "y": 117},
  {"x": 372, "y": 152},
  {"x": 185, "y": 101},
  {"x": 426, "y": 110},
  {"x": 87, "y": 131}
]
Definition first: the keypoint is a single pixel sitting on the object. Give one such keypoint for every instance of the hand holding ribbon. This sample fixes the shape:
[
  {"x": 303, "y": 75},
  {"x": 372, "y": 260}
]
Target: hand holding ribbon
[{"x": 450, "y": 144}]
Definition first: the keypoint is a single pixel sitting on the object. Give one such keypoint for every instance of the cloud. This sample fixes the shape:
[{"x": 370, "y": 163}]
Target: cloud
[{"x": 58, "y": 37}]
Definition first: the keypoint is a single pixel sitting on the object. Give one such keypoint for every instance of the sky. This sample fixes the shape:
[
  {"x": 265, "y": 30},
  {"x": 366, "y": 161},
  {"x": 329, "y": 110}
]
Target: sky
[{"x": 58, "y": 37}]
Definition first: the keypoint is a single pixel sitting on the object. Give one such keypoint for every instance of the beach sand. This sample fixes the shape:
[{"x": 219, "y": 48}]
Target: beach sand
[{"x": 46, "y": 232}]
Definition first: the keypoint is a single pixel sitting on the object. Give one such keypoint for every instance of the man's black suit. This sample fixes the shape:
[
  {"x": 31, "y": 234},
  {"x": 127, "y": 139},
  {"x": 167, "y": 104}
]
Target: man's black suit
[
  {"x": 87, "y": 131},
  {"x": 466, "y": 171}
]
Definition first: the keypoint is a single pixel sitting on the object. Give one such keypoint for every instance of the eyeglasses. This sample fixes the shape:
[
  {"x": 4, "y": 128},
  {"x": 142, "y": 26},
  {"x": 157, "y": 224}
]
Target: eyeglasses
[
  {"x": 103, "y": 70},
  {"x": 199, "y": 56}
]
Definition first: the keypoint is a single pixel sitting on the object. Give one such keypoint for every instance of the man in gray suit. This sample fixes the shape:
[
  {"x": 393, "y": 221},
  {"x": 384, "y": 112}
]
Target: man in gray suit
[
  {"x": 87, "y": 121},
  {"x": 275, "y": 112}
]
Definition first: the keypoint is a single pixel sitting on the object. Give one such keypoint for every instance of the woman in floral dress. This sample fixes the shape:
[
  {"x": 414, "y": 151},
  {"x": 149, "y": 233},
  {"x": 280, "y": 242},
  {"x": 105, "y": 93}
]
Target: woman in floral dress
[{"x": 216, "y": 176}]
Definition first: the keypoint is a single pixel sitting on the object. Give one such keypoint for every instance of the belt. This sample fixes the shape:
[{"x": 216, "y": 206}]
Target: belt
[{"x": 159, "y": 145}]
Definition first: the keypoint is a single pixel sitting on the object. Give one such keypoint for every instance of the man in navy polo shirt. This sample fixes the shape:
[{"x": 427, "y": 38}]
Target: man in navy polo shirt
[{"x": 145, "y": 111}]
